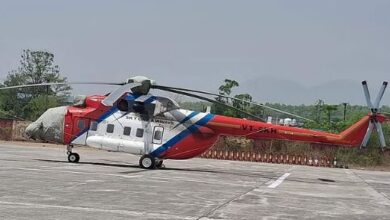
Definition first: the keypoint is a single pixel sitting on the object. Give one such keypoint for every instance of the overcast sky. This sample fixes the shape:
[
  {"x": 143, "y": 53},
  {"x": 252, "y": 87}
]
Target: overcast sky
[{"x": 197, "y": 44}]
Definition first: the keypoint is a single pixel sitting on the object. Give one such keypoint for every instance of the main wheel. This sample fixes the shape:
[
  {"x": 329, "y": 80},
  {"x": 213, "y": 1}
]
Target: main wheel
[
  {"x": 73, "y": 157},
  {"x": 147, "y": 162}
]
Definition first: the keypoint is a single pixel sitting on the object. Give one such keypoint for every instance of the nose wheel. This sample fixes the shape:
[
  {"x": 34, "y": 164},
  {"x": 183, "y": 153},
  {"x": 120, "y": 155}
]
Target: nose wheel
[{"x": 72, "y": 157}]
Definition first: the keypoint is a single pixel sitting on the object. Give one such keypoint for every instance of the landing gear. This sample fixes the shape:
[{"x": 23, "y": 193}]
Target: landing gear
[
  {"x": 159, "y": 164},
  {"x": 147, "y": 162},
  {"x": 72, "y": 157}
]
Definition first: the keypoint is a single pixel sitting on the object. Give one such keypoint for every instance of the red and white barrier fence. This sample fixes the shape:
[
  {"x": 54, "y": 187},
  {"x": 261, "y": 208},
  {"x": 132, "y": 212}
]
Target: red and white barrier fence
[{"x": 268, "y": 158}]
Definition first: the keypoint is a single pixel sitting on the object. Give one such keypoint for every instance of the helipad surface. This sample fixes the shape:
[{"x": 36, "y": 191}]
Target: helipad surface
[{"x": 38, "y": 183}]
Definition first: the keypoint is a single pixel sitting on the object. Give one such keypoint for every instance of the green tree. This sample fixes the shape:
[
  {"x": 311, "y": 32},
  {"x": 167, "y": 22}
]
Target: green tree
[
  {"x": 329, "y": 110},
  {"x": 35, "y": 67},
  {"x": 226, "y": 90},
  {"x": 243, "y": 105}
]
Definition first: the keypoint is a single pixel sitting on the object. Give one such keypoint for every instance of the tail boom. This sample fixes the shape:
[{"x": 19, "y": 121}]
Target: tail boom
[{"x": 351, "y": 137}]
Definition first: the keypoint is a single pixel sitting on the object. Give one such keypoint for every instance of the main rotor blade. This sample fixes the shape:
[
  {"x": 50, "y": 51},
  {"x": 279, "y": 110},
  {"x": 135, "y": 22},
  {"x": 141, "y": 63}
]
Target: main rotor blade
[
  {"x": 56, "y": 84},
  {"x": 209, "y": 100},
  {"x": 378, "y": 127},
  {"x": 116, "y": 94},
  {"x": 367, "y": 135},
  {"x": 380, "y": 95},
  {"x": 367, "y": 95},
  {"x": 233, "y": 98}
]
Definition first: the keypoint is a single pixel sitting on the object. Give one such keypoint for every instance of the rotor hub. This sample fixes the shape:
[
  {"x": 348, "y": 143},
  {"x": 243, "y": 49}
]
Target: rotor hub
[{"x": 145, "y": 86}]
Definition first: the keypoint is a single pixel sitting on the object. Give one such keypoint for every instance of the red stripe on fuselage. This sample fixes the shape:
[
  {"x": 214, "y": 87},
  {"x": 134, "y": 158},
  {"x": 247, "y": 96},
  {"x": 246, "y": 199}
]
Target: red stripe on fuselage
[{"x": 191, "y": 146}]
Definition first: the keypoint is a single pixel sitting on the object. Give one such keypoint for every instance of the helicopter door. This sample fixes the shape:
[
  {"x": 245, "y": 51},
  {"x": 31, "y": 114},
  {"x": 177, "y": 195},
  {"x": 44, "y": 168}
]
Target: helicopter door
[{"x": 158, "y": 133}]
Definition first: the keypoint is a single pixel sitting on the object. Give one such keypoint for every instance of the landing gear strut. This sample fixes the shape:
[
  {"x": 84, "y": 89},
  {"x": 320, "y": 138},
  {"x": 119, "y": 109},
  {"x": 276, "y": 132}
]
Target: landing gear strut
[
  {"x": 72, "y": 157},
  {"x": 159, "y": 164}
]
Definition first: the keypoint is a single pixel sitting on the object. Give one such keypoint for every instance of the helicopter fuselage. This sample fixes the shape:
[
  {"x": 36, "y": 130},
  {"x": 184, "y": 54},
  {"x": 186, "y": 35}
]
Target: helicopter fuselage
[{"x": 157, "y": 126}]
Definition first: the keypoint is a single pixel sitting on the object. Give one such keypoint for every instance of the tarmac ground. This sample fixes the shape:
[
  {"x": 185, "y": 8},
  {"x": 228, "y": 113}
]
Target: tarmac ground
[{"x": 37, "y": 182}]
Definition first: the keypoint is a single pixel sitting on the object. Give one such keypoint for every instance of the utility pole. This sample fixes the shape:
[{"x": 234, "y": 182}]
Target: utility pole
[
  {"x": 319, "y": 105},
  {"x": 345, "y": 109},
  {"x": 47, "y": 97}
]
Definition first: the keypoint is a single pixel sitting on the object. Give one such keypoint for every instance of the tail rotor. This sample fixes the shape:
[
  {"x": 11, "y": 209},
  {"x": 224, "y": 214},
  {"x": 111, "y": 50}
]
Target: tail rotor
[{"x": 376, "y": 117}]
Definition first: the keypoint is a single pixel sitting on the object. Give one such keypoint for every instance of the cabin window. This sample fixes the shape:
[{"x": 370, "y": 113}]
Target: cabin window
[
  {"x": 94, "y": 125},
  {"x": 110, "y": 128},
  {"x": 140, "y": 132},
  {"x": 157, "y": 135},
  {"x": 126, "y": 131},
  {"x": 81, "y": 124}
]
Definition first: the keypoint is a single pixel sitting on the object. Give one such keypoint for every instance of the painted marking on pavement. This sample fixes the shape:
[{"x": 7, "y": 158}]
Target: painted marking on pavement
[{"x": 279, "y": 181}]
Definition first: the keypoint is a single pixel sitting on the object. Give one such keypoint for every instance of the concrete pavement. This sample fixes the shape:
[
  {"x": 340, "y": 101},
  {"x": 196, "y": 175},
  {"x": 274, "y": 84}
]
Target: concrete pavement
[{"x": 38, "y": 183}]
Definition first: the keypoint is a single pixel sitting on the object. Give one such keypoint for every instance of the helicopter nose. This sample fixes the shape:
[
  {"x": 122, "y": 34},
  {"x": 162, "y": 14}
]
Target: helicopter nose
[{"x": 49, "y": 126}]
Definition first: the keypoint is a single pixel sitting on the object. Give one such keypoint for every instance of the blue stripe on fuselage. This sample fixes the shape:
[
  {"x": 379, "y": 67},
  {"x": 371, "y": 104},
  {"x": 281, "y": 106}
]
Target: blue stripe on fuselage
[
  {"x": 188, "y": 117},
  {"x": 176, "y": 139},
  {"x": 131, "y": 96},
  {"x": 150, "y": 100}
]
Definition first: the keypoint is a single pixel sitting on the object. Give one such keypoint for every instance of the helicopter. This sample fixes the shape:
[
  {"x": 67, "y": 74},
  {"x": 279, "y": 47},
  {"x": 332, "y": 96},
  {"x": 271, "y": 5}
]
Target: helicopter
[{"x": 132, "y": 120}]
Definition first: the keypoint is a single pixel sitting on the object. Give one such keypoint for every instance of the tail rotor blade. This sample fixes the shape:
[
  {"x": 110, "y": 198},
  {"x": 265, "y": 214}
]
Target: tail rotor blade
[
  {"x": 378, "y": 127},
  {"x": 367, "y": 135},
  {"x": 380, "y": 95},
  {"x": 367, "y": 95}
]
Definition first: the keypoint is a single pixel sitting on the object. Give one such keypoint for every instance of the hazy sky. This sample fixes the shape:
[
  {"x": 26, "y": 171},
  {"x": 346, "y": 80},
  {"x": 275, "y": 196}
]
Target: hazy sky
[{"x": 199, "y": 43}]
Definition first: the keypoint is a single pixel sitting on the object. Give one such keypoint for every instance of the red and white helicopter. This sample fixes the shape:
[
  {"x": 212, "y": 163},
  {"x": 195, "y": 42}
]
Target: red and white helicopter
[{"x": 131, "y": 120}]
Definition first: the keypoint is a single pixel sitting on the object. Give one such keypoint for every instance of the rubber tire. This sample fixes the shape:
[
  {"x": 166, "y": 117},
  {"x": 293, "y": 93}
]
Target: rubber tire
[
  {"x": 147, "y": 162},
  {"x": 159, "y": 164},
  {"x": 73, "y": 157}
]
